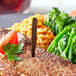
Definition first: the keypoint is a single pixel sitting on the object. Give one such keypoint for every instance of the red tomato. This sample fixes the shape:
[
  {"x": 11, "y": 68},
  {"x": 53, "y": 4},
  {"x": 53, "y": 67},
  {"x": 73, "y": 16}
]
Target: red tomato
[
  {"x": 73, "y": 13},
  {"x": 14, "y": 39},
  {"x": 9, "y": 37}
]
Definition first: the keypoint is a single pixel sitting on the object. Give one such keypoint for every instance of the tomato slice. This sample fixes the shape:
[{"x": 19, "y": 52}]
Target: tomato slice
[
  {"x": 14, "y": 38},
  {"x": 73, "y": 13},
  {"x": 9, "y": 37}
]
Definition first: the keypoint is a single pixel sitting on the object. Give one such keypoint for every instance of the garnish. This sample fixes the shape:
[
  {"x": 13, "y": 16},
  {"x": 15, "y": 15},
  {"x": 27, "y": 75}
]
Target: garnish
[
  {"x": 11, "y": 50},
  {"x": 10, "y": 37},
  {"x": 9, "y": 46}
]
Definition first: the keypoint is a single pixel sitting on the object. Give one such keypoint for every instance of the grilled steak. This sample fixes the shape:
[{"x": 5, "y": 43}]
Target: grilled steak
[{"x": 44, "y": 64}]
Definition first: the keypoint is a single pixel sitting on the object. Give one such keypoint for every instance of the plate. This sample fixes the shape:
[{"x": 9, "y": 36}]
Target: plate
[{"x": 8, "y": 20}]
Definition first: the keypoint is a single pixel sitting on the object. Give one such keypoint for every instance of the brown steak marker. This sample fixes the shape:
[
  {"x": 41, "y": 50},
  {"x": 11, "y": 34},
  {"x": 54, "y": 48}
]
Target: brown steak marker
[{"x": 34, "y": 36}]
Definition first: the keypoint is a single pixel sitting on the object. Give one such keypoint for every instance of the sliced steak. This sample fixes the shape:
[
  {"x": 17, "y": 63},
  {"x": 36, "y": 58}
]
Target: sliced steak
[{"x": 44, "y": 64}]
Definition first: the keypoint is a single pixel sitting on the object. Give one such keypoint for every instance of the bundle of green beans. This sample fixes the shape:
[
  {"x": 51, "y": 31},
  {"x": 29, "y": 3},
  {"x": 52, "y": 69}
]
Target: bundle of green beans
[{"x": 64, "y": 44}]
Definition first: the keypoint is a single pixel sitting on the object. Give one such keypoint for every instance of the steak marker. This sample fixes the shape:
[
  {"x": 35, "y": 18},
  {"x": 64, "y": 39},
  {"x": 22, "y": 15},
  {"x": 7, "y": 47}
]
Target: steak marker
[{"x": 34, "y": 36}]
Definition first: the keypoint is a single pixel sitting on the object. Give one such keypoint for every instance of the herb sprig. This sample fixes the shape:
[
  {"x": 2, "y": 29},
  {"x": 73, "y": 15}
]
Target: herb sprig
[{"x": 12, "y": 50}]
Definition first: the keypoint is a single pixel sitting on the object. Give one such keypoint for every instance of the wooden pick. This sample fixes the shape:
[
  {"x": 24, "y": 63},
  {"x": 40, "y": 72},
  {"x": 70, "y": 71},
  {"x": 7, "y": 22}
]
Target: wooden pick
[{"x": 34, "y": 36}]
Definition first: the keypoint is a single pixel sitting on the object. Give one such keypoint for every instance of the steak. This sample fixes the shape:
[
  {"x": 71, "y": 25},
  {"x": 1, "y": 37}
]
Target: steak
[{"x": 43, "y": 64}]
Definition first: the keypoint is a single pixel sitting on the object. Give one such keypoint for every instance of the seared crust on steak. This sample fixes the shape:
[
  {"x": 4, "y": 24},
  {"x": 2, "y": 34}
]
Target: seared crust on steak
[{"x": 44, "y": 64}]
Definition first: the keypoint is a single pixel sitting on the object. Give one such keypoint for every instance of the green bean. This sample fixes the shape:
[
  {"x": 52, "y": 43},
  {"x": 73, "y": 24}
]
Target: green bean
[
  {"x": 69, "y": 43},
  {"x": 70, "y": 54},
  {"x": 59, "y": 28},
  {"x": 57, "y": 38}
]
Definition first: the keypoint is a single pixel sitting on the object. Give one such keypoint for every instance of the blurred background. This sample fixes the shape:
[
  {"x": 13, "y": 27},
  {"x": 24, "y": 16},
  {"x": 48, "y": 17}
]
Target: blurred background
[
  {"x": 35, "y": 6},
  {"x": 12, "y": 11},
  {"x": 43, "y": 6}
]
